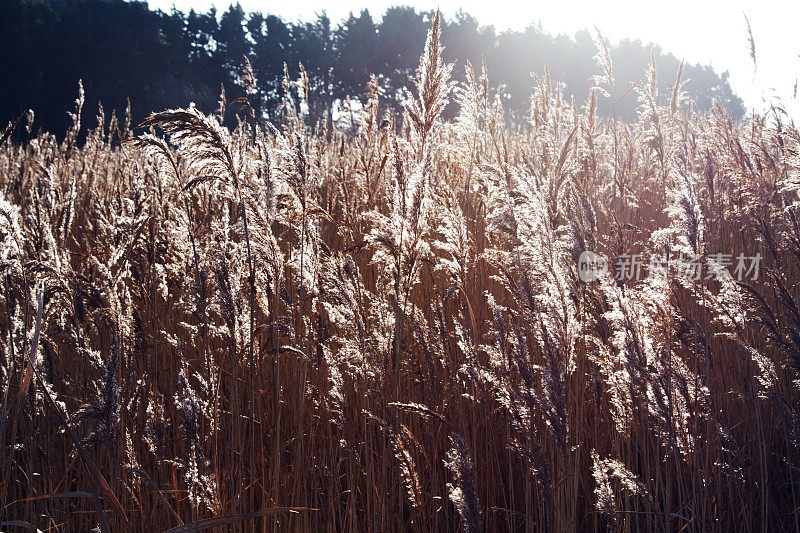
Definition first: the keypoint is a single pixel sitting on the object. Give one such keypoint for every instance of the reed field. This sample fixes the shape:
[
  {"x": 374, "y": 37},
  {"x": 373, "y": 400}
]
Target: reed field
[{"x": 381, "y": 324}]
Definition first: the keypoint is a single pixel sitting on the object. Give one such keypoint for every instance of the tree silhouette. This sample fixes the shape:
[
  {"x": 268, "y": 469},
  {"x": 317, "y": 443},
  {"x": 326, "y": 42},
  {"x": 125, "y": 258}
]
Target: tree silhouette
[
  {"x": 124, "y": 51},
  {"x": 357, "y": 52}
]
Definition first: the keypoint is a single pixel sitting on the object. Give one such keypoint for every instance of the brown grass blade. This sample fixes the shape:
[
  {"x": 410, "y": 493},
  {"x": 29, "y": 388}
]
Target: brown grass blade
[
  {"x": 27, "y": 376},
  {"x": 77, "y": 494},
  {"x": 18, "y": 523},
  {"x": 209, "y": 523}
]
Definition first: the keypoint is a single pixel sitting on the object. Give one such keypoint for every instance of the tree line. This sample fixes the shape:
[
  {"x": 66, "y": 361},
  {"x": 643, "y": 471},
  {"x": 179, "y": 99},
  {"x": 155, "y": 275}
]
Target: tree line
[{"x": 126, "y": 52}]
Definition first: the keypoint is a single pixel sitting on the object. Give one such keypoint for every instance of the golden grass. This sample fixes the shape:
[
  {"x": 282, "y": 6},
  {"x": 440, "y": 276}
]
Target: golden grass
[{"x": 381, "y": 327}]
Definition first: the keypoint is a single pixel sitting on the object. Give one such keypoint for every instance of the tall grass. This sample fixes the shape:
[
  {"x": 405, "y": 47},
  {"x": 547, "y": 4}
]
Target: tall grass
[{"x": 381, "y": 327}]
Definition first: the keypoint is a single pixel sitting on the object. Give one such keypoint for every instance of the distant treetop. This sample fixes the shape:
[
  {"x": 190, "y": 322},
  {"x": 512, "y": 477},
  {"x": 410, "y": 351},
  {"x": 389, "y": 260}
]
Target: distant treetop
[{"x": 124, "y": 51}]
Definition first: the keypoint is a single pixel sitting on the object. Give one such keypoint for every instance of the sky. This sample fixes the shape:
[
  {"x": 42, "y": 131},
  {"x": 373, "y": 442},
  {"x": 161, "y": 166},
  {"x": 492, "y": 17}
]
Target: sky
[{"x": 698, "y": 31}]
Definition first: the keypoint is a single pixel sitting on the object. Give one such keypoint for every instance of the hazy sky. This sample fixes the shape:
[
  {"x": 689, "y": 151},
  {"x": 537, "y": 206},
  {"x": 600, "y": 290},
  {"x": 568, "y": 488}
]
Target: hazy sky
[{"x": 709, "y": 32}]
